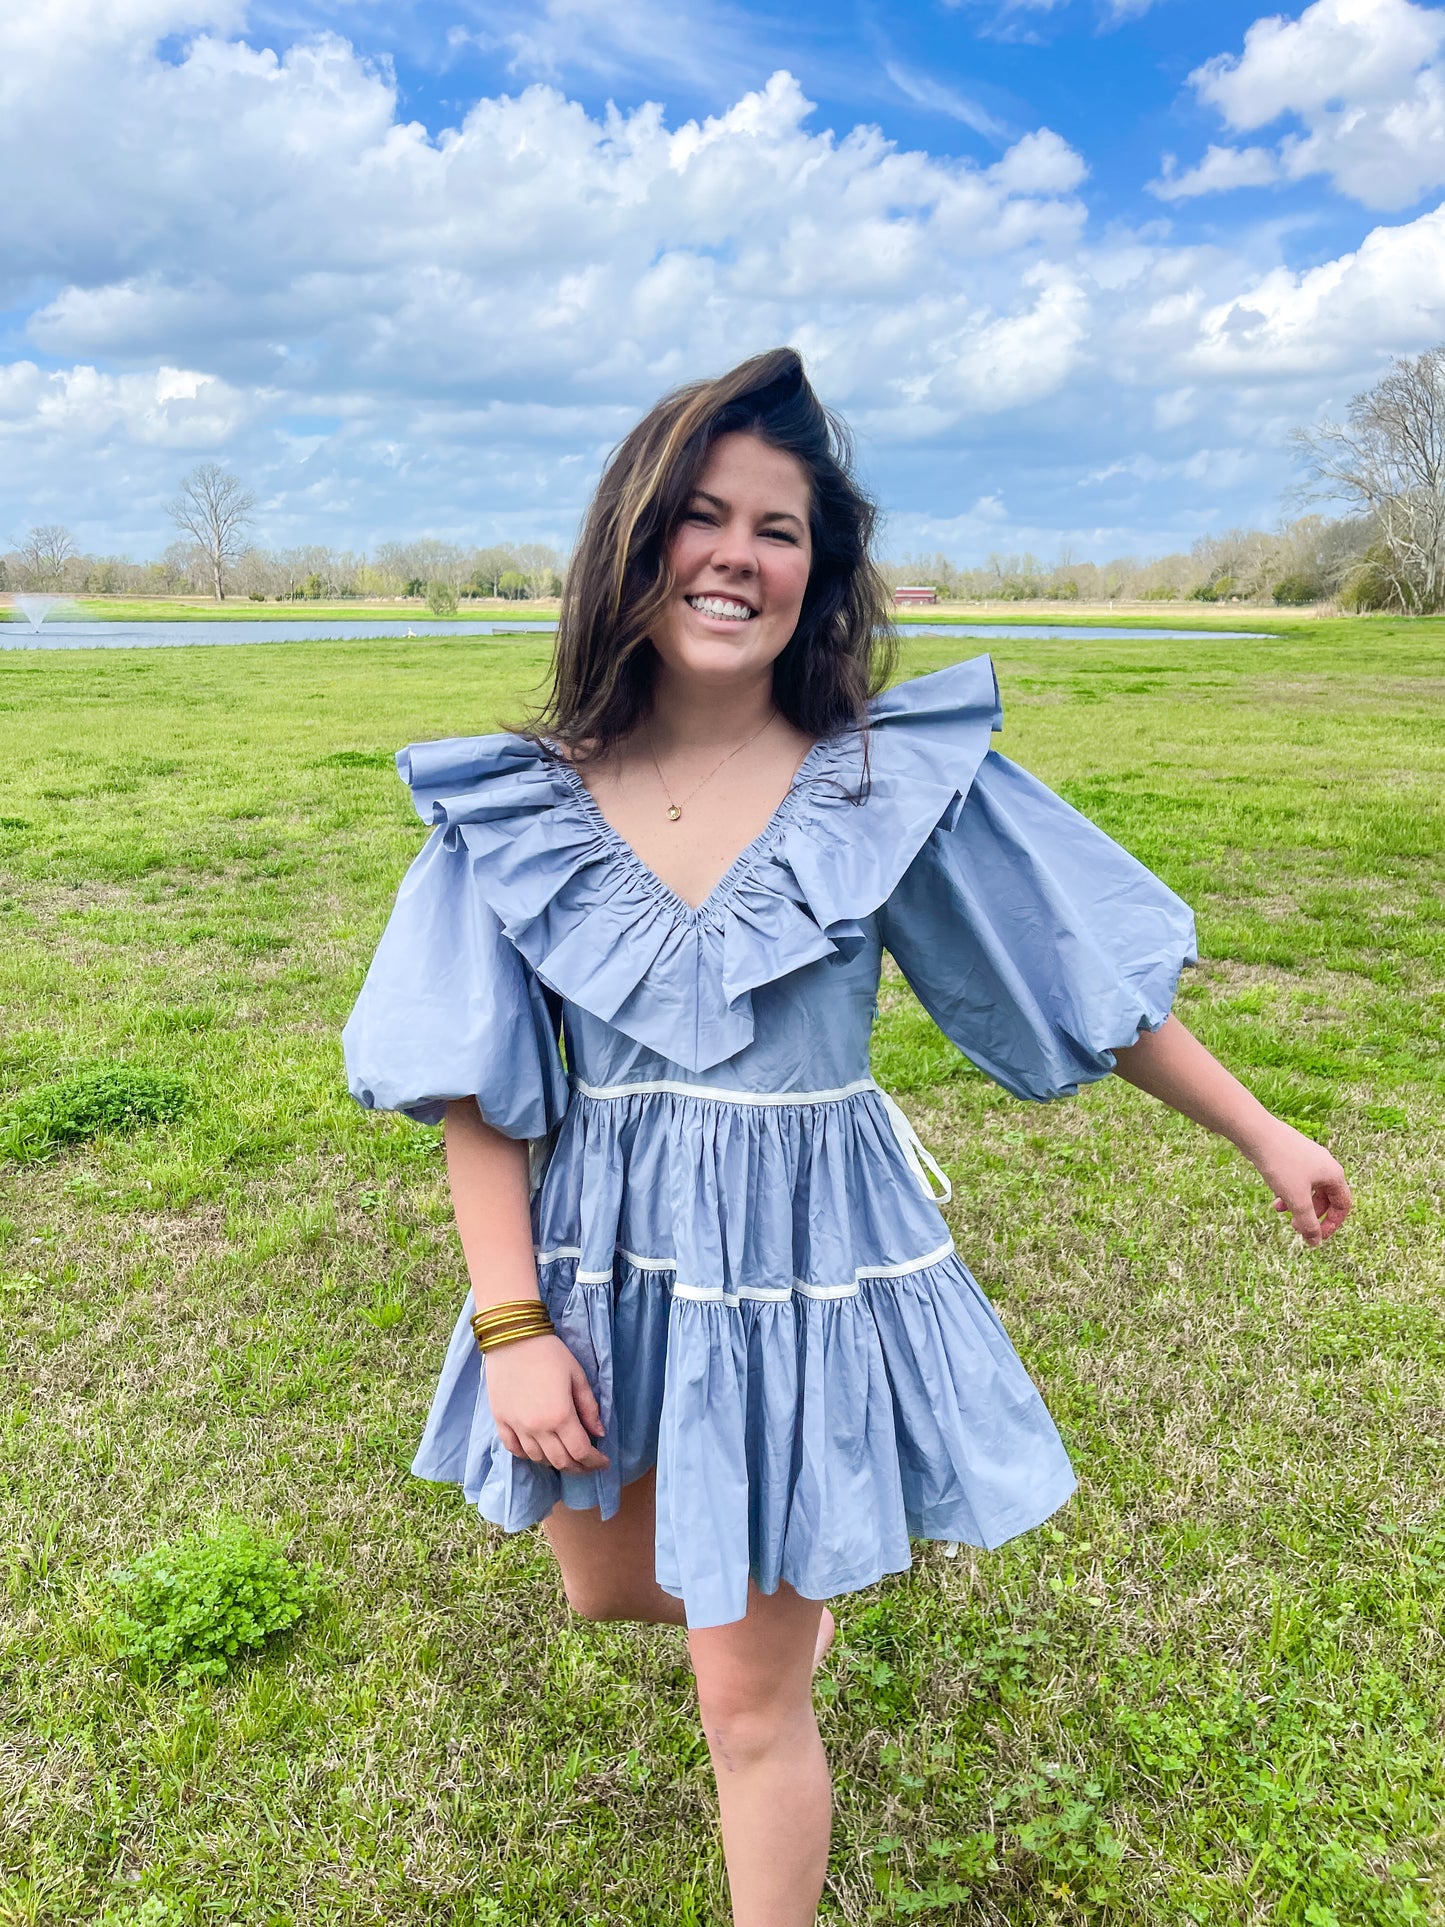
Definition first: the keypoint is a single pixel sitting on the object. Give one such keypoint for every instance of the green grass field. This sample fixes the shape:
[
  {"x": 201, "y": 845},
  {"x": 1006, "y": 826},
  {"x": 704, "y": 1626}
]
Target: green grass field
[{"x": 1209, "y": 1691}]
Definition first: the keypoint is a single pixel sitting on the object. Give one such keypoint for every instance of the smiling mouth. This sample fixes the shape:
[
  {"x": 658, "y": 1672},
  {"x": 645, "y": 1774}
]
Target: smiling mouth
[{"x": 723, "y": 607}]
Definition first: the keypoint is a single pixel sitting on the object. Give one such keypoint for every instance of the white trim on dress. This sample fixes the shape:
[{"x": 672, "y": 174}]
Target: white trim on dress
[
  {"x": 715, "y": 1294},
  {"x": 921, "y": 1160}
]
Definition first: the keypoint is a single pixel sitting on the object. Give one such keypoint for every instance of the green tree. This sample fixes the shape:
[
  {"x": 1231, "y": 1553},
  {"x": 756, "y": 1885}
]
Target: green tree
[
  {"x": 1371, "y": 584},
  {"x": 488, "y": 568},
  {"x": 1294, "y": 591}
]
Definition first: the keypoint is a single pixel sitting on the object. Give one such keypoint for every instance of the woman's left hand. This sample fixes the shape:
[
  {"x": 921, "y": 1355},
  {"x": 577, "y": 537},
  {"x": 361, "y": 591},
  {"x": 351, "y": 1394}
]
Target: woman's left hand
[{"x": 1307, "y": 1182}]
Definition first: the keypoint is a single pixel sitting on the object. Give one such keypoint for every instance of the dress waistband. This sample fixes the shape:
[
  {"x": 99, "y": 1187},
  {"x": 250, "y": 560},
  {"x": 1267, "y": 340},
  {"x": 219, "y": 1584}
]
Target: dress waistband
[{"x": 920, "y": 1159}]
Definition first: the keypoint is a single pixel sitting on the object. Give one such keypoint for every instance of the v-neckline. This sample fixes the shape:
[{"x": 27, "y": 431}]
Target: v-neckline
[{"x": 731, "y": 876}]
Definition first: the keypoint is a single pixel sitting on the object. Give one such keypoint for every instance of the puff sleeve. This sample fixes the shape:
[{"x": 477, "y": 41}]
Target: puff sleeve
[
  {"x": 1035, "y": 942},
  {"x": 450, "y": 1009}
]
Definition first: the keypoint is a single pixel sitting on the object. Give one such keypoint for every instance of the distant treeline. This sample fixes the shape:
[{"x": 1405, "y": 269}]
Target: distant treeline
[
  {"x": 50, "y": 559},
  {"x": 1309, "y": 560}
]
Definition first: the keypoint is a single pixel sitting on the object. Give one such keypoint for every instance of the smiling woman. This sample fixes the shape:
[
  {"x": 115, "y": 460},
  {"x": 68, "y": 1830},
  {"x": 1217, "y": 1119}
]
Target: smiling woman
[
  {"x": 743, "y": 484},
  {"x": 739, "y": 563},
  {"x": 722, "y": 615},
  {"x": 719, "y": 1345}
]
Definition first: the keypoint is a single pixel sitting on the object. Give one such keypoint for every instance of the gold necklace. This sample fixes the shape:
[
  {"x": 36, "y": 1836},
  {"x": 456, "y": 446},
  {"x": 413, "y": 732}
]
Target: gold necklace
[{"x": 674, "y": 809}]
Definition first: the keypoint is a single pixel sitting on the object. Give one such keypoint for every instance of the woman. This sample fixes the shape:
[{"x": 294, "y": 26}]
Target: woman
[{"x": 719, "y": 1344}]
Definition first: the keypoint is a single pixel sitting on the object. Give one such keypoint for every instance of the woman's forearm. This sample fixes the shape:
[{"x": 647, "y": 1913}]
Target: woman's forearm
[
  {"x": 1175, "y": 1067},
  {"x": 488, "y": 1176},
  {"x": 542, "y": 1401},
  {"x": 1171, "y": 1064}
]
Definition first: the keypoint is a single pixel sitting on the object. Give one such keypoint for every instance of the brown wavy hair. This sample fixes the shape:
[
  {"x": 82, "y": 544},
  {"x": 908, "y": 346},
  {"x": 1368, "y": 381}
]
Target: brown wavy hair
[{"x": 618, "y": 583}]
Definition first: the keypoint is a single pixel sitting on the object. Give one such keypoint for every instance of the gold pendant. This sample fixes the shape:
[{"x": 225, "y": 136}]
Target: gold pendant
[{"x": 673, "y": 813}]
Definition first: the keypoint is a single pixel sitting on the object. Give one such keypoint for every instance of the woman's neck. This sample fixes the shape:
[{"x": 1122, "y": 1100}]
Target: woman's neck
[{"x": 686, "y": 715}]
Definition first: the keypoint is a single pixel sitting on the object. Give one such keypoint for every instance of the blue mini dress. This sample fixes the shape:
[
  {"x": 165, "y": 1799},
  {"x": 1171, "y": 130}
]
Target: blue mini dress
[{"x": 737, "y": 1232}]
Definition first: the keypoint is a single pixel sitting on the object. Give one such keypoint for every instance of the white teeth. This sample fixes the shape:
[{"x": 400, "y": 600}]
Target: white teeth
[{"x": 721, "y": 606}]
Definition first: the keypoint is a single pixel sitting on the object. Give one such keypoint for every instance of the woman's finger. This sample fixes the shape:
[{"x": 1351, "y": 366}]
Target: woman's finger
[
  {"x": 585, "y": 1401},
  {"x": 585, "y": 1456},
  {"x": 510, "y": 1440},
  {"x": 555, "y": 1452},
  {"x": 1300, "y": 1206},
  {"x": 1333, "y": 1203}
]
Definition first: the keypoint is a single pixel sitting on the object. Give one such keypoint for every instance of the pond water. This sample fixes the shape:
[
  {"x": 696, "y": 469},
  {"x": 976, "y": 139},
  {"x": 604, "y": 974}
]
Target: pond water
[
  {"x": 185, "y": 635},
  {"x": 190, "y": 635}
]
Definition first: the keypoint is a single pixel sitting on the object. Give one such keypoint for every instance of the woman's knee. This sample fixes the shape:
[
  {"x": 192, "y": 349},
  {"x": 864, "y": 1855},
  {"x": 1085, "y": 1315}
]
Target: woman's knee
[
  {"x": 747, "y": 1710},
  {"x": 747, "y": 1723}
]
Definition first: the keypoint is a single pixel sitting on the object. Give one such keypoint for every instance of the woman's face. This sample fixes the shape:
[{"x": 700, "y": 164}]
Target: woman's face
[{"x": 740, "y": 560}]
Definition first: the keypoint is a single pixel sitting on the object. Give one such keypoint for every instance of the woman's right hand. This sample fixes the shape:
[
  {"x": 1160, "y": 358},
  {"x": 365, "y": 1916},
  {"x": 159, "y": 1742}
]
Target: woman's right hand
[{"x": 541, "y": 1402}]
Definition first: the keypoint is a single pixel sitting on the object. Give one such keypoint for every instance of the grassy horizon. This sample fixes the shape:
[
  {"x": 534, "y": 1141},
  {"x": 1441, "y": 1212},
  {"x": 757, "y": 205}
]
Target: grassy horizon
[{"x": 1207, "y": 1692}]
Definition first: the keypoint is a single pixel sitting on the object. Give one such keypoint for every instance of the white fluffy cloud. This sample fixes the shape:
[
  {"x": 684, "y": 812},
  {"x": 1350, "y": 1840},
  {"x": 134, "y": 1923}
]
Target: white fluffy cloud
[
  {"x": 1365, "y": 81},
  {"x": 1390, "y": 289},
  {"x": 286, "y": 202},
  {"x": 1221, "y": 169},
  {"x": 303, "y": 246},
  {"x": 172, "y": 408},
  {"x": 227, "y": 249}
]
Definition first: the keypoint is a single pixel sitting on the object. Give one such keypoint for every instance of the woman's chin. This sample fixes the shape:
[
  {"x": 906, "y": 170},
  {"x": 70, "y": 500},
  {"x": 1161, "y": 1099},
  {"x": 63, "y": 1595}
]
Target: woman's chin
[{"x": 711, "y": 655}]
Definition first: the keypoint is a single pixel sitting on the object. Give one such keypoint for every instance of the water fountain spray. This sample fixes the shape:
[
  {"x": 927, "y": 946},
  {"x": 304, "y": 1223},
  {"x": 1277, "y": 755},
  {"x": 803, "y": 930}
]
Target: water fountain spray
[{"x": 35, "y": 608}]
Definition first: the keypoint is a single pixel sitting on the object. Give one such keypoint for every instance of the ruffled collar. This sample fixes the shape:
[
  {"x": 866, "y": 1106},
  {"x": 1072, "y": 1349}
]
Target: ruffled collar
[
  {"x": 712, "y": 906},
  {"x": 607, "y": 934}
]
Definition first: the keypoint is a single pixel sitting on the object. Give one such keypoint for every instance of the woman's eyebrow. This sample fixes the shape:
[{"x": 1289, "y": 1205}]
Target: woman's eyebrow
[{"x": 769, "y": 515}]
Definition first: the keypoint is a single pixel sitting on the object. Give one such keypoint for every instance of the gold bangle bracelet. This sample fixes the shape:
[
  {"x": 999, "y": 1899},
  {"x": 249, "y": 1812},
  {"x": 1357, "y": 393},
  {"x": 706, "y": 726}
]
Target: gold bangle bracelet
[
  {"x": 485, "y": 1320},
  {"x": 510, "y": 1309},
  {"x": 539, "y": 1320},
  {"x": 507, "y": 1331},
  {"x": 509, "y": 1338}
]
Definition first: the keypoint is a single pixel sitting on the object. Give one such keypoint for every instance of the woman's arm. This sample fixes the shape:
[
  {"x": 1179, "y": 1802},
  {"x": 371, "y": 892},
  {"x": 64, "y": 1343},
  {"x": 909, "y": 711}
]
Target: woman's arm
[
  {"x": 539, "y": 1394},
  {"x": 488, "y": 1176},
  {"x": 1172, "y": 1065}
]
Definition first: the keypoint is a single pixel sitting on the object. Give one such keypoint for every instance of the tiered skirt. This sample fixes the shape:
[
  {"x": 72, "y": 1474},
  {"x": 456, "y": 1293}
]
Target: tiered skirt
[{"x": 769, "y": 1309}]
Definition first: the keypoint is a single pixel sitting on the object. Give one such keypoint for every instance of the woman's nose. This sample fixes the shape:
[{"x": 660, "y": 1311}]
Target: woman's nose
[{"x": 736, "y": 550}]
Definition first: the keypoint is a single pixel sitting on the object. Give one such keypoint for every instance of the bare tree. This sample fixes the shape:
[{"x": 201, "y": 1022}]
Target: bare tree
[
  {"x": 1387, "y": 458},
  {"x": 542, "y": 566},
  {"x": 44, "y": 554},
  {"x": 213, "y": 508},
  {"x": 488, "y": 566}
]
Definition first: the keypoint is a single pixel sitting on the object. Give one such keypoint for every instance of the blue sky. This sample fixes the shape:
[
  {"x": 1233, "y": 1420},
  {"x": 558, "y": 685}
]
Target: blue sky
[{"x": 1072, "y": 270}]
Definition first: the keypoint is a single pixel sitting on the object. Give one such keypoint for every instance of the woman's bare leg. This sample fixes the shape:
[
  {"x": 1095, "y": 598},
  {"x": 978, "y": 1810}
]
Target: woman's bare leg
[
  {"x": 609, "y": 1567},
  {"x": 755, "y": 1695},
  {"x": 754, "y": 1683}
]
